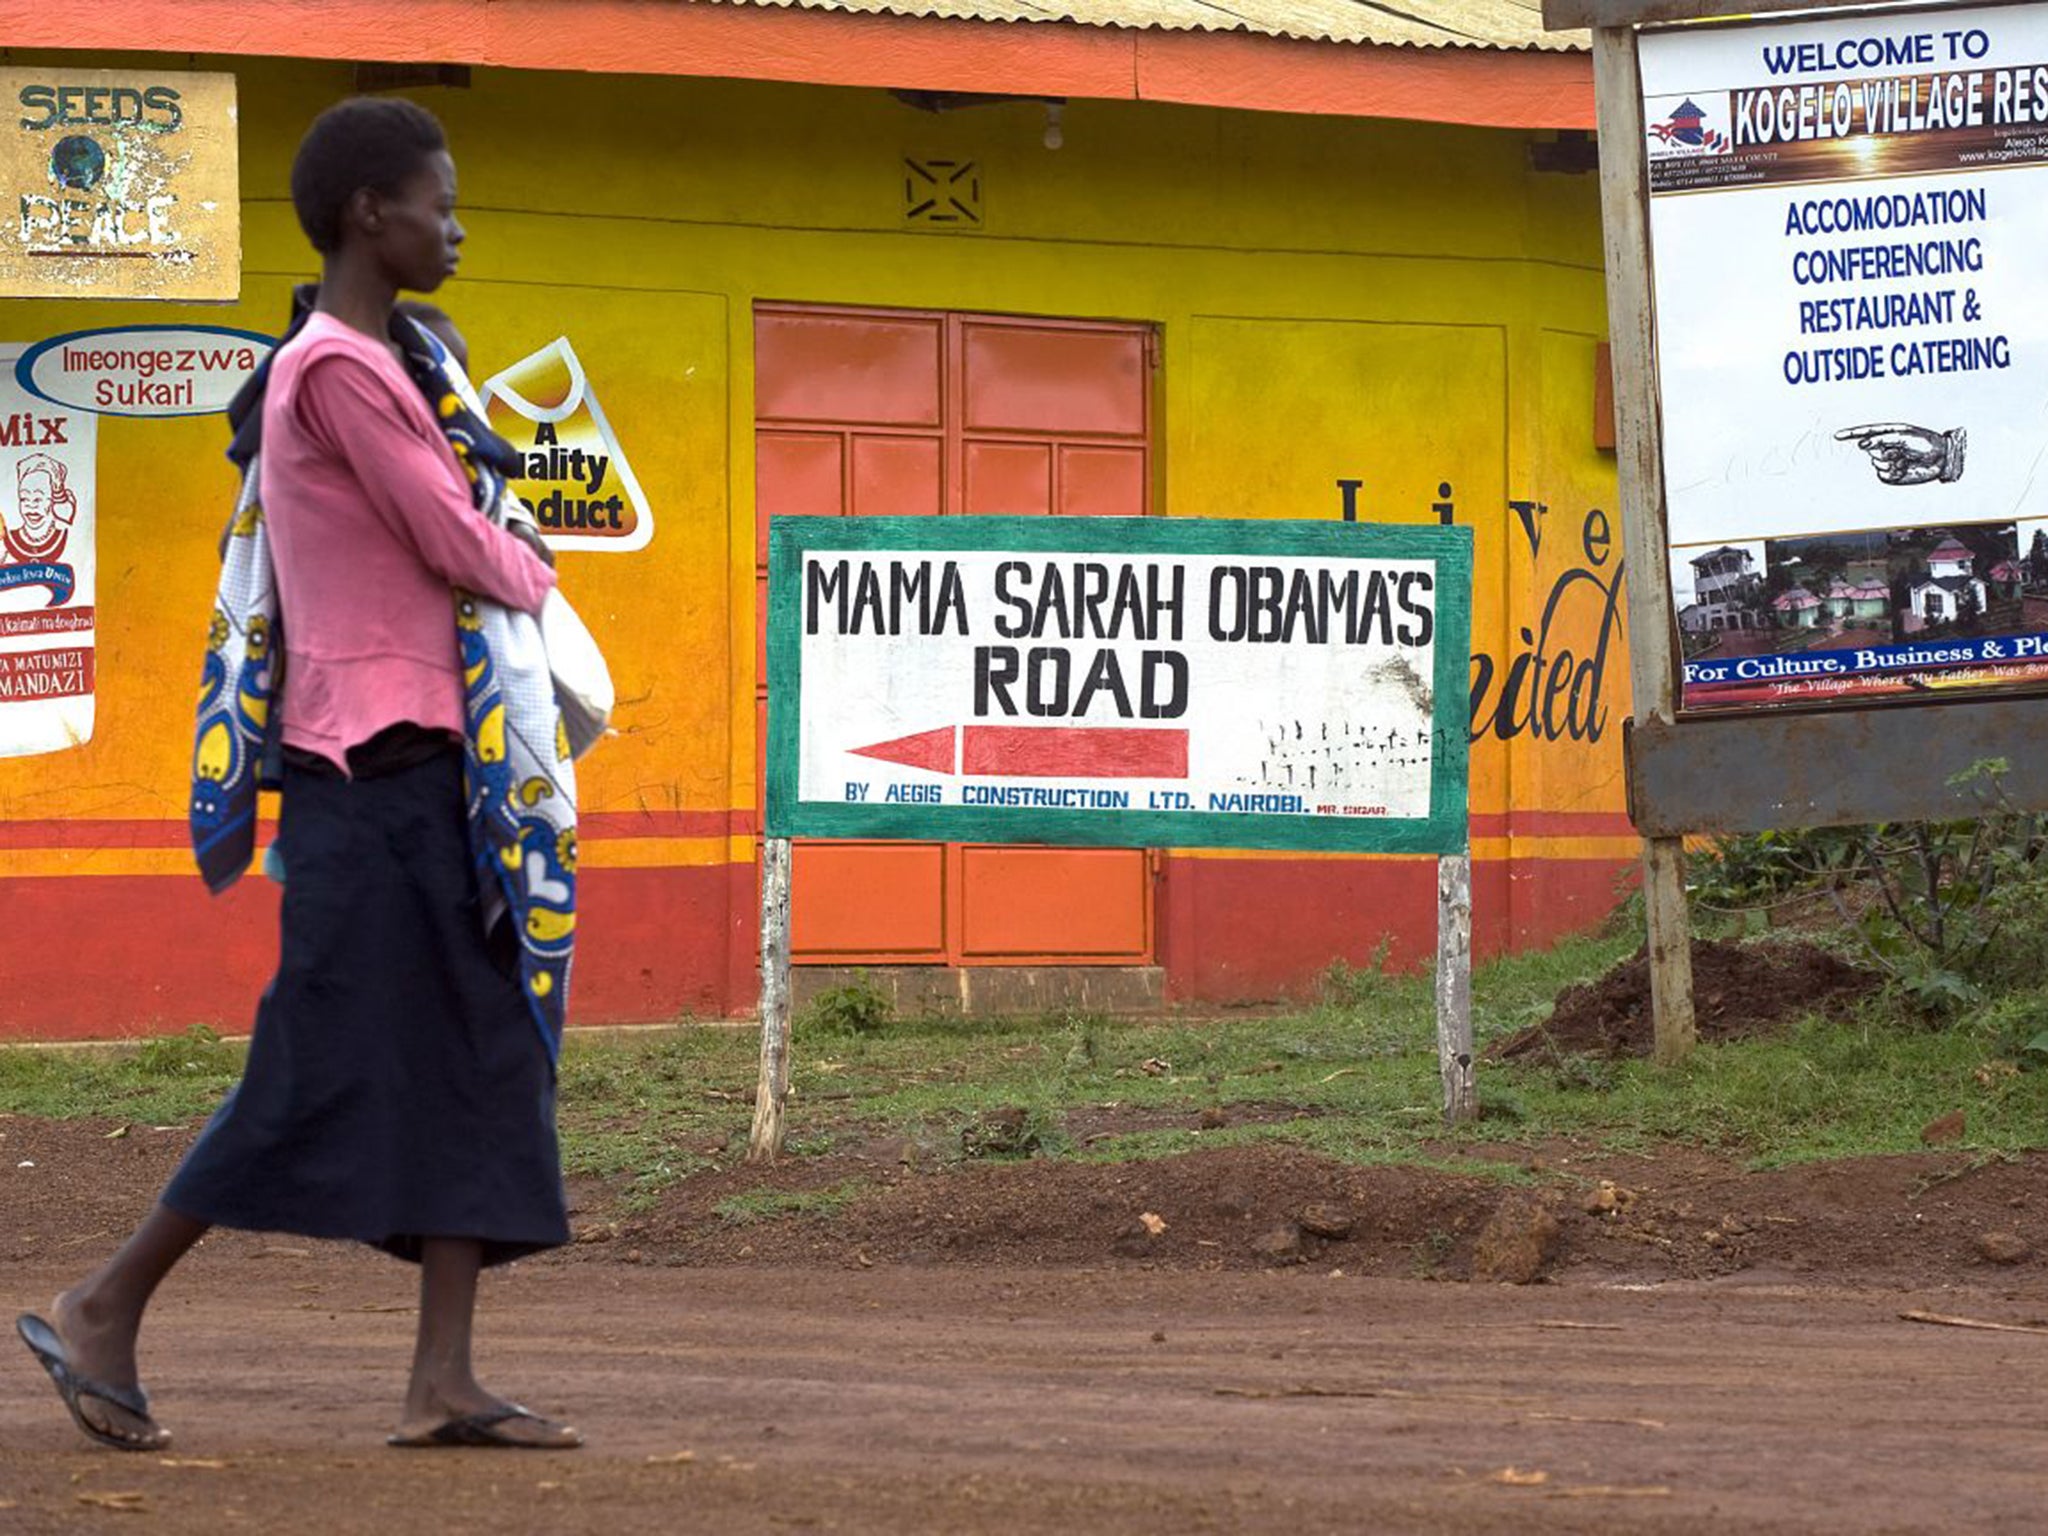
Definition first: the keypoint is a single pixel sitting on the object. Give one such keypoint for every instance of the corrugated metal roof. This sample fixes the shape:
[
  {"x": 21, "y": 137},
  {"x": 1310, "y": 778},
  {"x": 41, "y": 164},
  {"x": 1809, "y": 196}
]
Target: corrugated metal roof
[{"x": 1510, "y": 24}]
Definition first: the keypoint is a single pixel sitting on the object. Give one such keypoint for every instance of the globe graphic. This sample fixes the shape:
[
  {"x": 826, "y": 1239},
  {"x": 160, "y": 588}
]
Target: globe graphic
[{"x": 77, "y": 162}]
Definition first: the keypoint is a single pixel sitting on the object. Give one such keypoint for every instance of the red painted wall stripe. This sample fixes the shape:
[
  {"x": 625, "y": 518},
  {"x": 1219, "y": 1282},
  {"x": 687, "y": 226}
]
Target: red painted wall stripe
[
  {"x": 143, "y": 955},
  {"x": 164, "y": 832}
]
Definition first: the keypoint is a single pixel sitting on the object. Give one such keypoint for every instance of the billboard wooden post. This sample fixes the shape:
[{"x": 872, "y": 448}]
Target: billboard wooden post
[
  {"x": 1653, "y": 669},
  {"x": 771, "y": 1091},
  {"x": 1834, "y": 723}
]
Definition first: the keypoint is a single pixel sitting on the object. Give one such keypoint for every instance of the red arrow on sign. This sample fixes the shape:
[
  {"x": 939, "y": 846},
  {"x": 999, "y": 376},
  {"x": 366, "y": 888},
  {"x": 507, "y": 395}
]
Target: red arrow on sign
[{"x": 1041, "y": 751}]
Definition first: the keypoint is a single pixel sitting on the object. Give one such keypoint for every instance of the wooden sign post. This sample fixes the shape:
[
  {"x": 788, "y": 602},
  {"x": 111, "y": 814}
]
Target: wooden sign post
[
  {"x": 771, "y": 1092},
  {"x": 1118, "y": 682},
  {"x": 1454, "y": 987}
]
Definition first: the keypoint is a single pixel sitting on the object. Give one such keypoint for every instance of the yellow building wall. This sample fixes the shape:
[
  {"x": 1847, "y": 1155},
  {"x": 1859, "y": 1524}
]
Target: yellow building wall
[{"x": 1398, "y": 304}]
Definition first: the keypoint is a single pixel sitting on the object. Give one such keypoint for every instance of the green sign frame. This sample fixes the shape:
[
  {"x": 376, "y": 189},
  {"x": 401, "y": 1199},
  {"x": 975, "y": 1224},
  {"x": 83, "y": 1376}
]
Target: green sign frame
[{"x": 1442, "y": 831}]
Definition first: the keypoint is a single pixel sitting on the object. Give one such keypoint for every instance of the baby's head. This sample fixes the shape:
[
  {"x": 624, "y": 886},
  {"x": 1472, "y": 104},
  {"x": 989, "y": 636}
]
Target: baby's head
[{"x": 435, "y": 319}]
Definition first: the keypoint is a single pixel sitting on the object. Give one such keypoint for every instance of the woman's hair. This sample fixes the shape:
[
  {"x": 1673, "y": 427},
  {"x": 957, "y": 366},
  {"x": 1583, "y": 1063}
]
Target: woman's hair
[{"x": 366, "y": 141}]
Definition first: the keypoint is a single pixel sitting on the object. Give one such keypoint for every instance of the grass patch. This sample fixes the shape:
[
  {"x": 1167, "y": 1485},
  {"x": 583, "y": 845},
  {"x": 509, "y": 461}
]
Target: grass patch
[
  {"x": 1824, "y": 1089},
  {"x": 767, "y": 1204},
  {"x": 1351, "y": 1077},
  {"x": 643, "y": 1112},
  {"x": 161, "y": 1082}
]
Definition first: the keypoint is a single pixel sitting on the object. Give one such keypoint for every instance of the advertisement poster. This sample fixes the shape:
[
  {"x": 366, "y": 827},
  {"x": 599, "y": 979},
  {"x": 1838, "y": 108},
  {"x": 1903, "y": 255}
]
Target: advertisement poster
[
  {"x": 583, "y": 491},
  {"x": 46, "y": 570},
  {"x": 1847, "y": 217},
  {"x": 119, "y": 184},
  {"x": 143, "y": 370},
  {"x": 1123, "y": 682}
]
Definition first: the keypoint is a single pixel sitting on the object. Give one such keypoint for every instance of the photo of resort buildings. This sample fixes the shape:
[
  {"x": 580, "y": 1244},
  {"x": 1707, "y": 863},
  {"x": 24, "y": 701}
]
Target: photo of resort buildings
[{"x": 1852, "y": 590}]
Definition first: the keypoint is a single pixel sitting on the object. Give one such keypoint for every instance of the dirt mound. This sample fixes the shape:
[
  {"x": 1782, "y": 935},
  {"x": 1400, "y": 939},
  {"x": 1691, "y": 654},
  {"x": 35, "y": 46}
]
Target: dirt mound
[
  {"x": 1738, "y": 990},
  {"x": 1230, "y": 1208},
  {"x": 68, "y": 1190}
]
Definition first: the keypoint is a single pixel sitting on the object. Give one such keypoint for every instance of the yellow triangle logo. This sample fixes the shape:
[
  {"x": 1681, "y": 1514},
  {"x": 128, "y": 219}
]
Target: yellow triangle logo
[{"x": 582, "y": 489}]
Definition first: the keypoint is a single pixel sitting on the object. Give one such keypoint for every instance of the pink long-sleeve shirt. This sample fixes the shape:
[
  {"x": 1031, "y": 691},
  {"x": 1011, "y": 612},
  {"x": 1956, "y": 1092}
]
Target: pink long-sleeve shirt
[{"x": 370, "y": 525}]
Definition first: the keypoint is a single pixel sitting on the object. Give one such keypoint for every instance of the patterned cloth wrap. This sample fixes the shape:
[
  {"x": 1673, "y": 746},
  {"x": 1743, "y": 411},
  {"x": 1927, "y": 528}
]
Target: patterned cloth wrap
[{"x": 519, "y": 779}]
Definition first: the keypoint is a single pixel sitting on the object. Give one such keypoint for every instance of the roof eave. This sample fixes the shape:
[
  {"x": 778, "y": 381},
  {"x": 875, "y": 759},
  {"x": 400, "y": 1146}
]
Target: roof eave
[{"x": 1485, "y": 87}]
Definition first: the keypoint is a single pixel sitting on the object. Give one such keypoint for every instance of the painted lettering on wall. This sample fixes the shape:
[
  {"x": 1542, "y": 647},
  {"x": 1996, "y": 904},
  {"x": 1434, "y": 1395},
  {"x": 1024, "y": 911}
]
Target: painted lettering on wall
[
  {"x": 48, "y": 567},
  {"x": 143, "y": 370},
  {"x": 1545, "y": 688}
]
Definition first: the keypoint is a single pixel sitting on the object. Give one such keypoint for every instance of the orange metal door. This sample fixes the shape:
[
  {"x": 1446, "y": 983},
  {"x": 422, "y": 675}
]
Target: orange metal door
[{"x": 869, "y": 412}]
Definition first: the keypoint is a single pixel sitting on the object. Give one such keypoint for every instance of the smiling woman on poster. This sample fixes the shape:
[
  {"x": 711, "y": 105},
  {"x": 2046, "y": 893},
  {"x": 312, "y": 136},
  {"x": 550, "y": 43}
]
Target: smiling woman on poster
[
  {"x": 44, "y": 511},
  {"x": 397, "y": 1091}
]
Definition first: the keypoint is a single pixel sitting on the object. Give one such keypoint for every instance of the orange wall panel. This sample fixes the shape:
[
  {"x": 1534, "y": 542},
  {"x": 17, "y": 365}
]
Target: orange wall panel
[
  {"x": 1101, "y": 482},
  {"x": 869, "y": 899},
  {"x": 1021, "y": 904},
  {"x": 1055, "y": 381},
  {"x": 1012, "y": 478},
  {"x": 797, "y": 474},
  {"x": 897, "y": 477},
  {"x": 866, "y": 371}
]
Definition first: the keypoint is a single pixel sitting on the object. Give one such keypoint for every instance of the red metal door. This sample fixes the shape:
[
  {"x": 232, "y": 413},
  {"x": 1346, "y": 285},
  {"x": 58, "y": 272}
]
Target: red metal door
[{"x": 867, "y": 412}]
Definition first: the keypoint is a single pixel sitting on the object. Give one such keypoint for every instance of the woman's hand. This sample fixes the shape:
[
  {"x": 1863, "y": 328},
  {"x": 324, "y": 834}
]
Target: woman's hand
[{"x": 529, "y": 535}]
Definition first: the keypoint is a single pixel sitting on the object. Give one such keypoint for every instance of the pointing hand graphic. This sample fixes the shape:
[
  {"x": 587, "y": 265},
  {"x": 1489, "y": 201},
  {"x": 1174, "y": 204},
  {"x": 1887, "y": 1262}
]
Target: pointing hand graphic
[{"x": 1907, "y": 455}]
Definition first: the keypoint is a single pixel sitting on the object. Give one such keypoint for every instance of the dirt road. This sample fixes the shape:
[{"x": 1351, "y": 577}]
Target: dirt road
[
  {"x": 1001, "y": 1349},
  {"x": 917, "y": 1399}
]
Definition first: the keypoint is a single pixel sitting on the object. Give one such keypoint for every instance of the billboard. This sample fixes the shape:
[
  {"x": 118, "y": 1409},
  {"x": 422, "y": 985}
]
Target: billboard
[
  {"x": 1121, "y": 682},
  {"x": 119, "y": 184},
  {"x": 1852, "y": 351},
  {"x": 47, "y": 569}
]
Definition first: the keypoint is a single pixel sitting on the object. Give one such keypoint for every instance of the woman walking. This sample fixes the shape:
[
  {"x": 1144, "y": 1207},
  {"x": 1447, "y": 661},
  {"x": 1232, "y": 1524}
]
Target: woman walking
[{"x": 397, "y": 1091}]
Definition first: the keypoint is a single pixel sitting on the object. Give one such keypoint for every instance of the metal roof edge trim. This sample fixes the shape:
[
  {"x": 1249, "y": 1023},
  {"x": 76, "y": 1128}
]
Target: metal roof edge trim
[
  {"x": 1481, "y": 87},
  {"x": 1540, "y": 40}
]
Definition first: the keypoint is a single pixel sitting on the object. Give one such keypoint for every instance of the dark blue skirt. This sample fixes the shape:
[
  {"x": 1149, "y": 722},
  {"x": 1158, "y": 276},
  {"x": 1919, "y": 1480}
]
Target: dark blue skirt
[{"x": 397, "y": 1086}]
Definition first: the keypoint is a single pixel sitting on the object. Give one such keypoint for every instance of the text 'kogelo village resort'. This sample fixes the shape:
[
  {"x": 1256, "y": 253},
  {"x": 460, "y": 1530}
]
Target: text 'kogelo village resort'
[{"x": 729, "y": 262}]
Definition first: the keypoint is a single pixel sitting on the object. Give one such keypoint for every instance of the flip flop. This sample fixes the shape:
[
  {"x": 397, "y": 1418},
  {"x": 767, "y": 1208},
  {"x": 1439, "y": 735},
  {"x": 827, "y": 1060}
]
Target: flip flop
[
  {"x": 482, "y": 1430},
  {"x": 48, "y": 1348}
]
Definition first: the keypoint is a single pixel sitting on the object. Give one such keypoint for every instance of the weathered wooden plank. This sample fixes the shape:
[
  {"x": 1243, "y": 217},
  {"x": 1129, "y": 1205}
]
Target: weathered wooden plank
[
  {"x": 764, "y": 1145},
  {"x": 1454, "y": 987},
  {"x": 1638, "y": 427},
  {"x": 1754, "y": 773}
]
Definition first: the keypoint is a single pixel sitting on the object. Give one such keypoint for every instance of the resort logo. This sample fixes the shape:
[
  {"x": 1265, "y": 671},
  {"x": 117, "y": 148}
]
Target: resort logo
[{"x": 1688, "y": 129}]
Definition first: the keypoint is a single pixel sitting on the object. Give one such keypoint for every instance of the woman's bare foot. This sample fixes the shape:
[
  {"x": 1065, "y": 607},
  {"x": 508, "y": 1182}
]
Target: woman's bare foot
[
  {"x": 444, "y": 1404},
  {"x": 90, "y": 1356},
  {"x": 470, "y": 1416}
]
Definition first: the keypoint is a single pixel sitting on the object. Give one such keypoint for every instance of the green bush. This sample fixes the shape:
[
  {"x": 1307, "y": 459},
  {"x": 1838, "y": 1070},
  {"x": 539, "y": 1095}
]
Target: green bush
[{"x": 858, "y": 1008}]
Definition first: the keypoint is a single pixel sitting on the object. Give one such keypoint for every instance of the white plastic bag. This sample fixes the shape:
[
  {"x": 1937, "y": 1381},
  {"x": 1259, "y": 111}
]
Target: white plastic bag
[{"x": 583, "y": 683}]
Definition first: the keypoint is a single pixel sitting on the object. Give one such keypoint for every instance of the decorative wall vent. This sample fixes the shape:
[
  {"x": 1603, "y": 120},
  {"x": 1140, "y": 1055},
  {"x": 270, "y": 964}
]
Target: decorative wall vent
[{"x": 942, "y": 192}]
